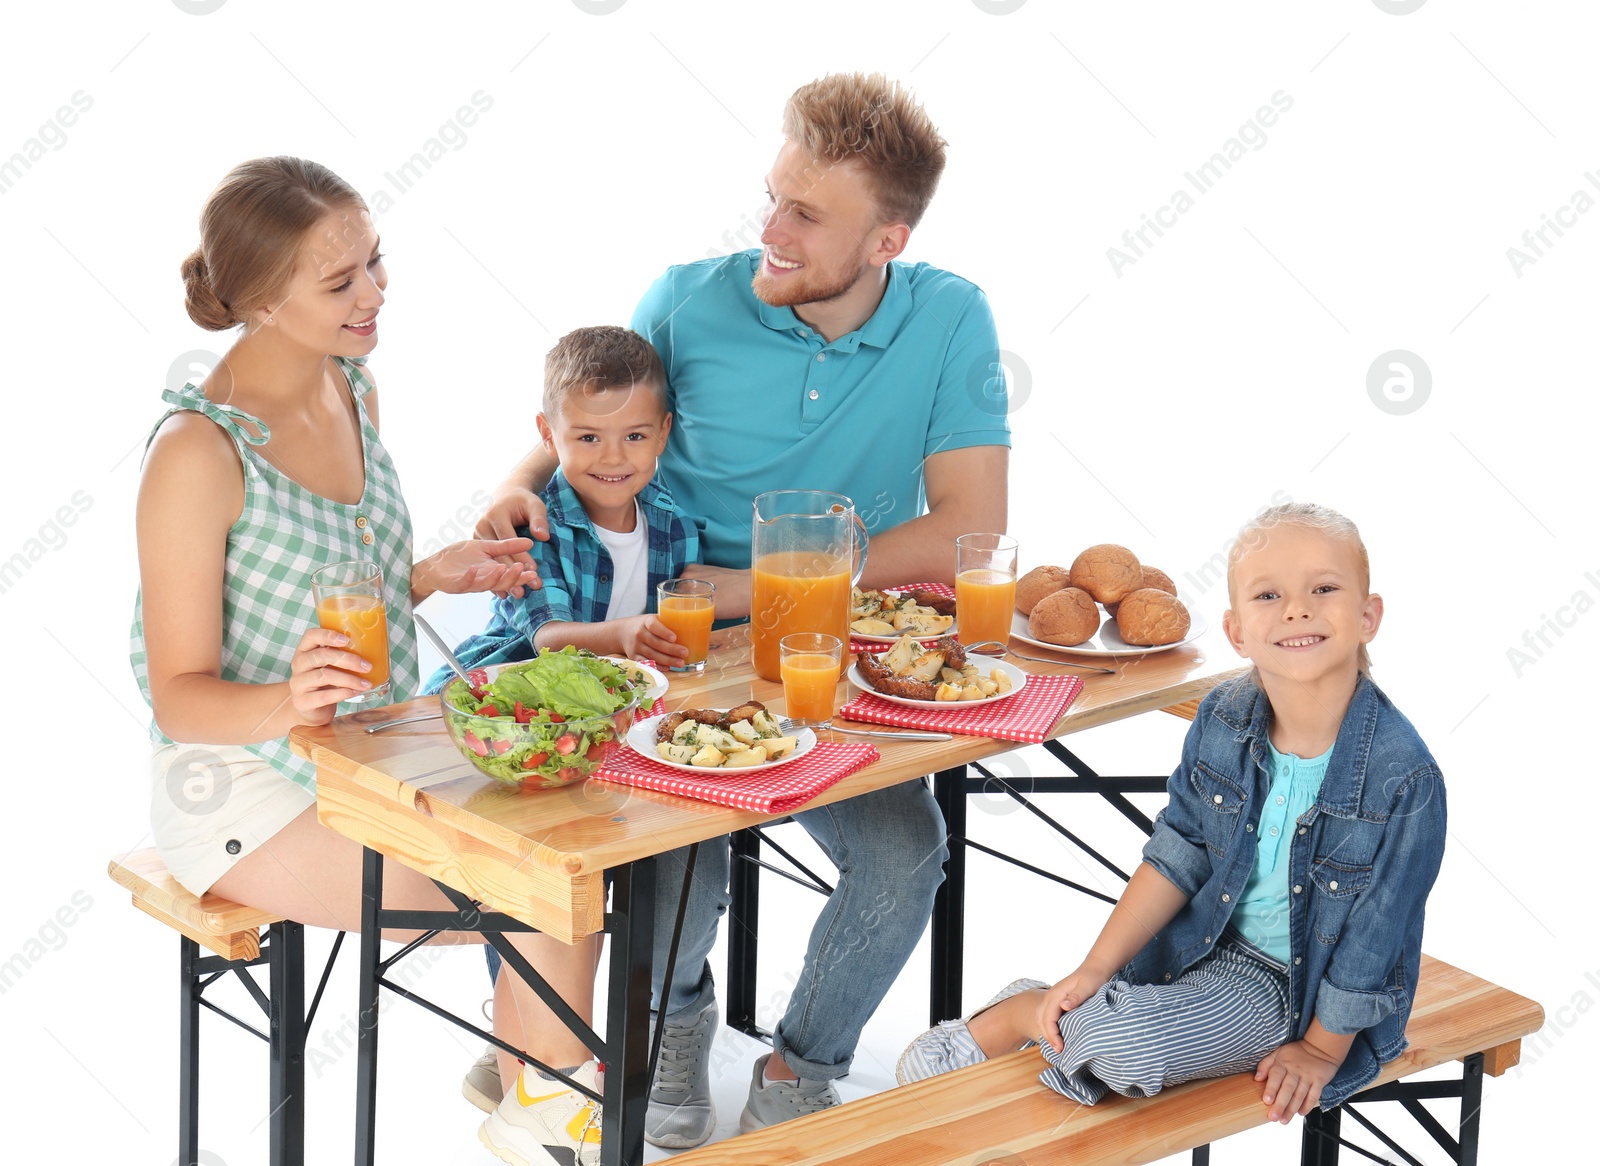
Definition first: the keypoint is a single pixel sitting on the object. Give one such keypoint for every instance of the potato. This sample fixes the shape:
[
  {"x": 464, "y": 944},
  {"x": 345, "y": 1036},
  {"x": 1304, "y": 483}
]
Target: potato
[
  {"x": 948, "y": 691},
  {"x": 681, "y": 754},
  {"x": 708, "y": 757},
  {"x": 745, "y": 758},
  {"x": 744, "y": 732},
  {"x": 872, "y": 627},
  {"x": 716, "y": 738},
  {"x": 776, "y": 747},
  {"x": 766, "y": 724}
]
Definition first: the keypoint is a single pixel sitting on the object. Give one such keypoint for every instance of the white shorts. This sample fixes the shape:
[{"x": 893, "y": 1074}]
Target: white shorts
[{"x": 210, "y": 805}]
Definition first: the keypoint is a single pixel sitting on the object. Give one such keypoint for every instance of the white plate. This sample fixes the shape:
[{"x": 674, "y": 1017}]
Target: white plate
[
  {"x": 1106, "y": 642},
  {"x": 863, "y": 638},
  {"x": 642, "y": 740},
  {"x": 1019, "y": 681},
  {"x": 658, "y": 681}
]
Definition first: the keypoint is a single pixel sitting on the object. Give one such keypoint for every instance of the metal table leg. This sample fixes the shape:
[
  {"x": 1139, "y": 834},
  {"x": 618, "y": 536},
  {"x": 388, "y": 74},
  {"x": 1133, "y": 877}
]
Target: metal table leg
[
  {"x": 287, "y": 1025},
  {"x": 949, "y": 927},
  {"x": 627, "y": 1083}
]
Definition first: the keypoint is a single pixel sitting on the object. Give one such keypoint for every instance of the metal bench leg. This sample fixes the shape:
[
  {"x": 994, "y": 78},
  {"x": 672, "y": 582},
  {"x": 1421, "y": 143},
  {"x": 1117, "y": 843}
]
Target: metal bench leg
[
  {"x": 188, "y": 1052},
  {"x": 1319, "y": 1138},
  {"x": 286, "y": 967},
  {"x": 367, "y": 1014},
  {"x": 1471, "y": 1108},
  {"x": 627, "y": 1085}
]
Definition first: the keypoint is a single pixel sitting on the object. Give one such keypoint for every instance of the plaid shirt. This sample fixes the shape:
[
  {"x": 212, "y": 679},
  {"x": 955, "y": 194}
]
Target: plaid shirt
[{"x": 576, "y": 569}]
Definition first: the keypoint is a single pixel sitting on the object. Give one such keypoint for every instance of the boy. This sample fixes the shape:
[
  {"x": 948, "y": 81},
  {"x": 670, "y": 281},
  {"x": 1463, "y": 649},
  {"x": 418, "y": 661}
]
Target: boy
[
  {"x": 614, "y": 530},
  {"x": 1276, "y": 921}
]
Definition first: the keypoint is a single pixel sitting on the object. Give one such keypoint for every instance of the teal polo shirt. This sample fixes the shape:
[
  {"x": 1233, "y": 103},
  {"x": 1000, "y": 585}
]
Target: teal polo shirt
[{"x": 761, "y": 402}]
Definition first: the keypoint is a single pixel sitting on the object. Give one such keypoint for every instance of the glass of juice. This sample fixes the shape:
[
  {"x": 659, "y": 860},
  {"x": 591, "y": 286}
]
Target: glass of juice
[
  {"x": 688, "y": 607},
  {"x": 986, "y": 587},
  {"x": 810, "y": 663},
  {"x": 349, "y": 599}
]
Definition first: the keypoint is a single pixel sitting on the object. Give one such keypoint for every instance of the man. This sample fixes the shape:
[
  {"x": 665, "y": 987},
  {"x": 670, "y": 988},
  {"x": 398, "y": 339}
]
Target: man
[{"x": 818, "y": 361}]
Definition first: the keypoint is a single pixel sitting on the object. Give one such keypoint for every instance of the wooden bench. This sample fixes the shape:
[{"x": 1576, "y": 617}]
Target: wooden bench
[
  {"x": 998, "y": 1114},
  {"x": 233, "y": 933}
]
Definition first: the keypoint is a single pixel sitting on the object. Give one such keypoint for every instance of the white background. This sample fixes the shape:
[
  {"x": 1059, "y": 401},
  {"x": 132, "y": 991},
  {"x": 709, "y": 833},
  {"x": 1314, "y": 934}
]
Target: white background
[{"x": 1158, "y": 407}]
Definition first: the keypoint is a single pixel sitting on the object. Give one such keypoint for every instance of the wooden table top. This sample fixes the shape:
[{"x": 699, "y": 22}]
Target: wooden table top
[{"x": 409, "y": 794}]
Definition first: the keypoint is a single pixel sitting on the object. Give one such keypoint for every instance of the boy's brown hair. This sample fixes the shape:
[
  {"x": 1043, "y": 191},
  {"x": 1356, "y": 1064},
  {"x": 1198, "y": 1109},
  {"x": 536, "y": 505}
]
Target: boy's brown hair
[
  {"x": 593, "y": 360},
  {"x": 868, "y": 119}
]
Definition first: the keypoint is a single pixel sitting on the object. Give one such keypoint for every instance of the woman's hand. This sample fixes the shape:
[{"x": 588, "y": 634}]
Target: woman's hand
[
  {"x": 1064, "y": 997},
  {"x": 322, "y": 673},
  {"x": 498, "y": 565}
]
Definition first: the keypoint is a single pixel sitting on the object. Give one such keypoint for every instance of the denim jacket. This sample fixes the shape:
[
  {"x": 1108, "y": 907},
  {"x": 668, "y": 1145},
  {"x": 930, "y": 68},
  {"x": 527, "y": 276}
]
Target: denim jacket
[
  {"x": 575, "y": 567},
  {"x": 1362, "y": 861}
]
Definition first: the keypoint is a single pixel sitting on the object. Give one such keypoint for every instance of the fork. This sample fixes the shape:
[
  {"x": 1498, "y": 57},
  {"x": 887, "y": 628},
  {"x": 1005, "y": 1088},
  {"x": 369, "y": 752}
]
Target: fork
[
  {"x": 981, "y": 644},
  {"x": 788, "y": 724}
]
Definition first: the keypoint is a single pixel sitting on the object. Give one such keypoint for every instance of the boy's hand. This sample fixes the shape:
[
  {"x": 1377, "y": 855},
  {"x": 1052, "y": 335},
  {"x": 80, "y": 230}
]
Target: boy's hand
[
  {"x": 513, "y": 507},
  {"x": 1064, "y": 997},
  {"x": 1295, "y": 1075},
  {"x": 645, "y": 635}
]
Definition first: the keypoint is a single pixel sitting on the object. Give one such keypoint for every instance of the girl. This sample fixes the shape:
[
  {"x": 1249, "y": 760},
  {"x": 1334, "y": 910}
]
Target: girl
[
  {"x": 1276, "y": 921},
  {"x": 267, "y": 470}
]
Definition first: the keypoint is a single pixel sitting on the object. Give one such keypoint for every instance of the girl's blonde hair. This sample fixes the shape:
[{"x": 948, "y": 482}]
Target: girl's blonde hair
[
  {"x": 1311, "y": 516},
  {"x": 251, "y": 232}
]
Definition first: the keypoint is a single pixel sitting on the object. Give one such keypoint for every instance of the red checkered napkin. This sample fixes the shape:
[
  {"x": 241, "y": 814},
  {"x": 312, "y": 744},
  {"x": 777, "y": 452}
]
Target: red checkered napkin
[
  {"x": 766, "y": 790},
  {"x": 1027, "y": 716},
  {"x": 944, "y": 589}
]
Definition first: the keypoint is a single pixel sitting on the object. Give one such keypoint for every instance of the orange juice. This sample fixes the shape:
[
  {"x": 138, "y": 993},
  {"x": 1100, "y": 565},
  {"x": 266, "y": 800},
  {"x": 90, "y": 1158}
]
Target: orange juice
[
  {"x": 795, "y": 591},
  {"x": 985, "y": 599},
  {"x": 689, "y": 617},
  {"x": 364, "y": 620},
  {"x": 809, "y": 682}
]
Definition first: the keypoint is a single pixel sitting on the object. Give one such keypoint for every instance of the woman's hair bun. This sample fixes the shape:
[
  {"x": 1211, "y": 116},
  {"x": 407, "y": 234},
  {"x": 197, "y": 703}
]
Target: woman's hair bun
[{"x": 200, "y": 298}]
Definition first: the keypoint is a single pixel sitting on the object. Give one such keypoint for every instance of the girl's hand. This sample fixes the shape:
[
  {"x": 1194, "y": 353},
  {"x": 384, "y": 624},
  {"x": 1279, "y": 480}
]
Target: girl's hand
[
  {"x": 1064, "y": 997},
  {"x": 646, "y": 635},
  {"x": 498, "y": 565},
  {"x": 322, "y": 673},
  {"x": 1295, "y": 1075}
]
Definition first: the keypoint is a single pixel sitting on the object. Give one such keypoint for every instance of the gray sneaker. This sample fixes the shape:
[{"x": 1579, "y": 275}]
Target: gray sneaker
[
  {"x": 680, "y": 1113},
  {"x": 770, "y": 1104},
  {"x": 481, "y": 1085}
]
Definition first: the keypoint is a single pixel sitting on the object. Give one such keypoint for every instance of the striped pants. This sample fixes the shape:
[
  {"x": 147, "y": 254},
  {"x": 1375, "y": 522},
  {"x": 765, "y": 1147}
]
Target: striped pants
[{"x": 1220, "y": 1017}]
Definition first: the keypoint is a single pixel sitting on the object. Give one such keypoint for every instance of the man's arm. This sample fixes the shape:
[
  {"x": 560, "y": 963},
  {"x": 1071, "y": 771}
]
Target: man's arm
[
  {"x": 516, "y": 499},
  {"x": 966, "y": 490}
]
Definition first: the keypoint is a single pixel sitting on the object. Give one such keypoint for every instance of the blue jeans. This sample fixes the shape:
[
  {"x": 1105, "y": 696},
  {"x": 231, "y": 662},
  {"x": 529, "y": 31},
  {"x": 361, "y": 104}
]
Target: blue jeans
[{"x": 889, "y": 848}]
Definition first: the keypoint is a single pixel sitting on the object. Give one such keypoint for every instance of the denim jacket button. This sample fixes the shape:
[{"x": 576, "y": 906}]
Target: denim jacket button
[
  {"x": 1167, "y": 978},
  {"x": 1217, "y": 798},
  {"x": 1297, "y": 888},
  {"x": 1208, "y": 939},
  {"x": 1333, "y": 884},
  {"x": 1225, "y": 899},
  {"x": 1297, "y": 961}
]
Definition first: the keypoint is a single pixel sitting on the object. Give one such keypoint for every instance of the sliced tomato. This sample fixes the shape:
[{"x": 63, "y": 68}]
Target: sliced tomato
[
  {"x": 535, "y": 760},
  {"x": 477, "y": 677},
  {"x": 596, "y": 751},
  {"x": 501, "y": 746},
  {"x": 474, "y": 744},
  {"x": 489, "y": 710},
  {"x": 524, "y": 715},
  {"x": 566, "y": 743},
  {"x": 556, "y": 718},
  {"x": 570, "y": 773}
]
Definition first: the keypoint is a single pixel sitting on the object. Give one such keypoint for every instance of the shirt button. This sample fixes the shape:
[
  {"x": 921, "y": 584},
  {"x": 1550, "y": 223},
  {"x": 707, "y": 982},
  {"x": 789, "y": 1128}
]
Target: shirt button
[
  {"x": 367, "y": 538},
  {"x": 821, "y": 356},
  {"x": 605, "y": 578},
  {"x": 1225, "y": 899},
  {"x": 1217, "y": 798},
  {"x": 1273, "y": 831},
  {"x": 813, "y": 394},
  {"x": 1297, "y": 888},
  {"x": 361, "y": 521},
  {"x": 1249, "y": 827},
  {"x": 1280, "y": 799}
]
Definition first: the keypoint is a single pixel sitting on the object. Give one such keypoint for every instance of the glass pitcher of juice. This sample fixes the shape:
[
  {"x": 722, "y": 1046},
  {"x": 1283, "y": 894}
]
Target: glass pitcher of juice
[{"x": 807, "y": 549}]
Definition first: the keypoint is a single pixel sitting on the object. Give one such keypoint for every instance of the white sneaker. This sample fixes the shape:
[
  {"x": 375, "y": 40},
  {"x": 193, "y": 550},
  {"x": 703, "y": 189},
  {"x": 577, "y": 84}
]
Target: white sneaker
[
  {"x": 544, "y": 1123},
  {"x": 481, "y": 1085}
]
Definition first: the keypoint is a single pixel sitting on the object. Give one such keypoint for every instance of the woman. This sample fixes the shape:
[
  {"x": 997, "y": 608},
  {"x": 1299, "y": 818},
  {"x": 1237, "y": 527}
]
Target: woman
[{"x": 267, "y": 470}]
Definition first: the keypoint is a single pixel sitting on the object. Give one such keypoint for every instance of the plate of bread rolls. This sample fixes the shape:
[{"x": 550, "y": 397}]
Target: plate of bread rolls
[{"x": 1107, "y": 603}]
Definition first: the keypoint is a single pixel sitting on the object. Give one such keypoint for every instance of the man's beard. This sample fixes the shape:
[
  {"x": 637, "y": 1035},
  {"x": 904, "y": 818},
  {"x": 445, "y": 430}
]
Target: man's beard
[{"x": 789, "y": 292}]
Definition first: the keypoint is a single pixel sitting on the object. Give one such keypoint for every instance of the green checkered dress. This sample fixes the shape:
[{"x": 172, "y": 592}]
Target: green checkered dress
[{"x": 284, "y": 533}]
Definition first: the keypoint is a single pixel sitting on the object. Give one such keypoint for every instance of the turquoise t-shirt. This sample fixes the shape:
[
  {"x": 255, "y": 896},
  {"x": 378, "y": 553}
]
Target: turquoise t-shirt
[
  {"x": 1262, "y": 915},
  {"x": 761, "y": 402}
]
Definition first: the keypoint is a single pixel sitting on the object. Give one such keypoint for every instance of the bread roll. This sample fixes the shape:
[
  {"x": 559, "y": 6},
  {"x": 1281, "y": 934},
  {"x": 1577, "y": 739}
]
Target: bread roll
[
  {"x": 1038, "y": 583},
  {"x": 1064, "y": 617},
  {"x": 1107, "y": 572},
  {"x": 1157, "y": 578},
  {"x": 1148, "y": 617}
]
